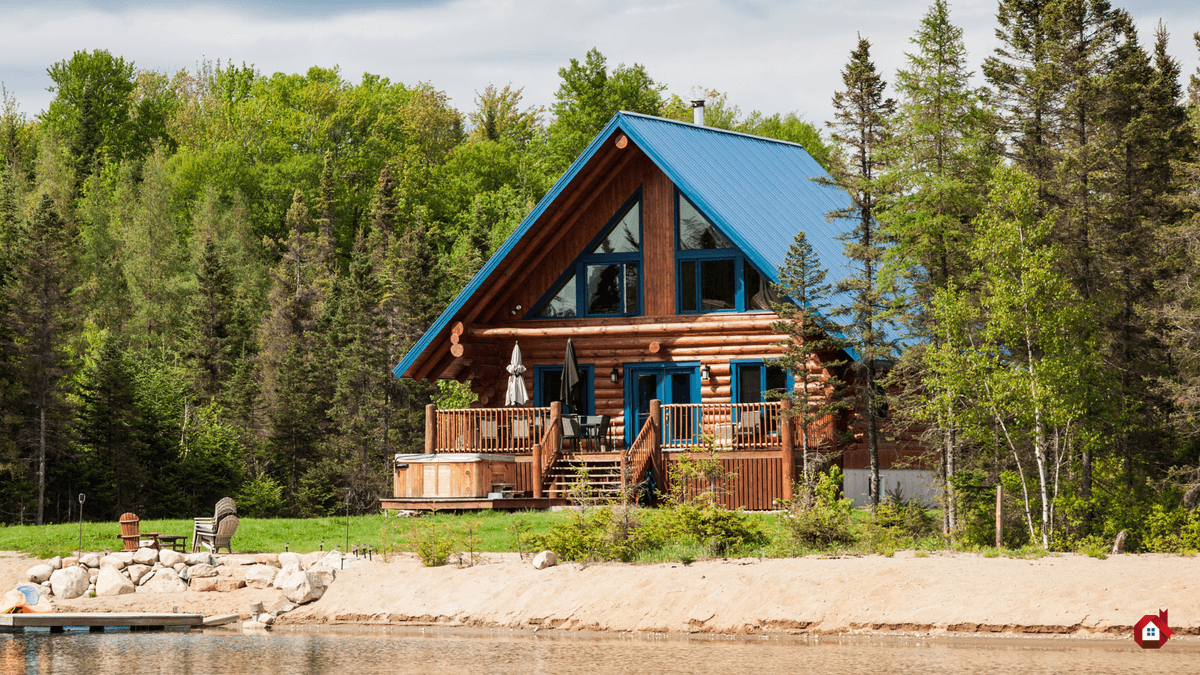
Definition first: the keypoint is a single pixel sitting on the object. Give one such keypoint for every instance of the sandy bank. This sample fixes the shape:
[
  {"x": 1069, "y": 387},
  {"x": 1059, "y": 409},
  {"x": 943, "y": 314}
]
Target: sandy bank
[{"x": 942, "y": 593}]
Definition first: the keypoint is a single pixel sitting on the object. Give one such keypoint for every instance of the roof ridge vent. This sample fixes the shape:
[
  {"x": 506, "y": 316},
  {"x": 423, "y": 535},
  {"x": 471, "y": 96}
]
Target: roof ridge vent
[{"x": 698, "y": 112}]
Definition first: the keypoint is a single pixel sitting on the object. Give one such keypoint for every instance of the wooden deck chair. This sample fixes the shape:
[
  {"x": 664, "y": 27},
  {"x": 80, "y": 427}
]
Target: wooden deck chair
[
  {"x": 221, "y": 538},
  {"x": 225, "y": 507},
  {"x": 133, "y": 538}
]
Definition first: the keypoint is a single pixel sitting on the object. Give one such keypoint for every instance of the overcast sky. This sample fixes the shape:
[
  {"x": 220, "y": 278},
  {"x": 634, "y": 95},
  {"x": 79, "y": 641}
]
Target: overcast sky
[{"x": 768, "y": 56}]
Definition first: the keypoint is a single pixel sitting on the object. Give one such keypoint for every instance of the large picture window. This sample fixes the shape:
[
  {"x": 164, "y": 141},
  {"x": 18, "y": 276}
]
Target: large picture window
[
  {"x": 547, "y": 387},
  {"x": 606, "y": 279},
  {"x": 713, "y": 275}
]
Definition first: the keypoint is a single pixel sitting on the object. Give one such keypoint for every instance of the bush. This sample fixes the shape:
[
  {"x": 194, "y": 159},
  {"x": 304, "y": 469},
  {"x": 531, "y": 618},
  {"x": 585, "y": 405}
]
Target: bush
[
  {"x": 817, "y": 518},
  {"x": 432, "y": 543},
  {"x": 607, "y": 533},
  {"x": 260, "y": 497},
  {"x": 720, "y": 530}
]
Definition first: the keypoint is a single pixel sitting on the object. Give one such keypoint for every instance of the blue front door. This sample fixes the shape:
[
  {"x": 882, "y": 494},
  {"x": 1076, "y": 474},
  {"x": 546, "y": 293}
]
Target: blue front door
[{"x": 669, "y": 383}]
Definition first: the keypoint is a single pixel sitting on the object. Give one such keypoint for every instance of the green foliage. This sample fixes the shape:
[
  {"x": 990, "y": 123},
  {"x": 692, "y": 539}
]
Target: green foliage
[
  {"x": 719, "y": 530},
  {"x": 817, "y": 517},
  {"x": 260, "y": 497},
  {"x": 452, "y": 395},
  {"x": 432, "y": 543}
]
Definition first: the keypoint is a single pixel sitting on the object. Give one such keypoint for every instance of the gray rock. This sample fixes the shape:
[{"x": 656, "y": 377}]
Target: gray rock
[
  {"x": 303, "y": 587},
  {"x": 90, "y": 560},
  {"x": 310, "y": 559},
  {"x": 125, "y": 557},
  {"x": 200, "y": 571},
  {"x": 170, "y": 558},
  {"x": 261, "y": 576},
  {"x": 136, "y": 572},
  {"x": 184, "y": 574},
  {"x": 112, "y": 561},
  {"x": 146, "y": 577},
  {"x": 93, "y": 574},
  {"x": 69, "y": 582},
  {"x": 203, "y": 558},
  {"x": 281, "y": 607},
  {"x": 291, "y": 559},
  {"x": 287, "y": 571},
  {"x": 112, "y": 582},
  {"x": 145, "y": 556},
  {"x": 164, "y": 581},
  {"x": 328, "y": 576},
  {"x": 544, "y": 559},
  {"x": 178, "y": 567},
  {"x": 55, "y": 562},
  {"x": 39, "y": 573}
]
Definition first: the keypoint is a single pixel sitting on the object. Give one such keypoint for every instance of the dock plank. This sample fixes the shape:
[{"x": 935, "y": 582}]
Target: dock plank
[{"x": 99, "y": 620}]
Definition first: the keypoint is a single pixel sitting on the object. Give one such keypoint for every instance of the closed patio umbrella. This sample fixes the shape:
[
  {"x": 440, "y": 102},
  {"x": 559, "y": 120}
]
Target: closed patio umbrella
[
  {"x": 570, "y": 377},
  {"x": 516, "y": 394}
]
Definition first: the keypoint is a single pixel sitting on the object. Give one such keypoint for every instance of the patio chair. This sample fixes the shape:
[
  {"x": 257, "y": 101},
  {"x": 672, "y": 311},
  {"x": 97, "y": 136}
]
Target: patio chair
[
  {"x": 221, "y": 538},
  {"x": 132, "y": 537},
  {"x": 225, "y": 507}
]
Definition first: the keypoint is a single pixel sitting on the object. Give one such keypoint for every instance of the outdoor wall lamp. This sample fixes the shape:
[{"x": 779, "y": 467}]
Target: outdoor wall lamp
[
  {"x": 706, "y": 373},
  {"x": 515, "y": 310},
  {"x": 614, "y": 375}
]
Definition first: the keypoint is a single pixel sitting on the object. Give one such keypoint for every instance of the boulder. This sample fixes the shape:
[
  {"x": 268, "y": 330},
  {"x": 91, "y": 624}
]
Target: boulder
[
  {"x": 271, "y": 559},
  {"x": 291, "y": 559},
  {"x": 203, "y": 585},
  {"x": 39, "y": 573},
  {"x": 227, "y": 585},
  {"x": 253, "y": 625},
  {"x": 112, "y": 582},
  {"x": 202, "y": 558},
  {"x": 69, "y": 582},
  {"x": 302, "y": 587},
  {"x": 112, "y": 561},
  {"x": 136, "y": 572},
  {"x": 261, "y": 576},
  {"x": 266, "y": 619},
  {"x": 170, "y": 558},
  {"x": 164, "y": 581},
  {"x": 183, "y": 573},
  {"x": 178, "y": 567},
  {"x": 93, "y": 574},
  {"x": 70, "y": 561},
  {"x": 281, "y": 607},
  {"x": 90, "y": 560},
  {"x": 125, "y": 556},
  {"x": 544, "y": 559},
  {"x": 310, "y": 559},
  {"x": 145, "y": 556},
  {"x": 328, "y": 576},
  {"x": 55, "y": 562},
  {"x": 202, "y": 570},
  {"x": 287, "y": 571}
]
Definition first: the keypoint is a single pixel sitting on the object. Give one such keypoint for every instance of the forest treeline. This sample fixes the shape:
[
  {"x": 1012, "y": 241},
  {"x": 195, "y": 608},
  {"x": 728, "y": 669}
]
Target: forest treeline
[{"x": 208, "y": 275}]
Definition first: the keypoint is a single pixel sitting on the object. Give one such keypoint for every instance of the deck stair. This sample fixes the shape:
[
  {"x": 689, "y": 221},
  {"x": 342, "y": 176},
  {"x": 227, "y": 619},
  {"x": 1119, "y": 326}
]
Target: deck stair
[{"x": 602, "y": 472}]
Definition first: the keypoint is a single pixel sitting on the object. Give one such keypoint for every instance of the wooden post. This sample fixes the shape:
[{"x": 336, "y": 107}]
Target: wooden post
[
  {"x": 624, "y": 480},
  {"x": 537, "y": 470},
  {"x": 999, "y": 515},
  {"x": 789, "y": 451},
  {"x": 430, "y": 428},
  {"x": 656, "y": 443}
]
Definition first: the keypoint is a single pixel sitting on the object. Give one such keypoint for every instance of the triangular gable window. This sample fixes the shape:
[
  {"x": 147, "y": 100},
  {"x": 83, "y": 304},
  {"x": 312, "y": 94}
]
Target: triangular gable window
[
  {"x": 696, "y": 232},
  {"x": 605, "y": 280},
  {"x": 711, "y": 274}
]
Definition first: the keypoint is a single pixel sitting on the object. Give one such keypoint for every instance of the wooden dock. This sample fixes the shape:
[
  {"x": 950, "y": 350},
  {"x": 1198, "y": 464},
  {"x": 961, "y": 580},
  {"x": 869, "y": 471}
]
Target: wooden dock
[
  {"x": 470, "y": 503},
  {"x": 97, "y": 622}
]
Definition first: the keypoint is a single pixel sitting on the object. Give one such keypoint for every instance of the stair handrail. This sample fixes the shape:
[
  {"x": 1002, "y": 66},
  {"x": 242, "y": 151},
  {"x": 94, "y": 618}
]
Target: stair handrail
[
  {"x": 551, "y": 439},
  {"x": 638, "y": 456}
]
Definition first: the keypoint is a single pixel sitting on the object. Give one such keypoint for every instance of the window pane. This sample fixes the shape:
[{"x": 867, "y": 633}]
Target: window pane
[
  {"x": 695, "y": 232},
  {"x": 776, "y": 379},
  {"x": 756, "y": 293},
  {"x": 625, "y": 237},
  {"x": 687, "y": 285},
  {"x": 749, "y": 384},
  {"x": 604, "y": 289},
  {"x": 631, "y": 288},
  {"x": 717, "y": 289},
  {"x": 551, "y": 386},
  {"x": 564, "y": 302}
]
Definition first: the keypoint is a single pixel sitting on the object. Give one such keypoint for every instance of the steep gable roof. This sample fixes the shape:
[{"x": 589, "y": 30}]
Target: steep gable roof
[{"x": 757, "y": 191}]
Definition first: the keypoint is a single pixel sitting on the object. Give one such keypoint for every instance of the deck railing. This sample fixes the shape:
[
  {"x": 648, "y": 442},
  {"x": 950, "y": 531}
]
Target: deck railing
[
  {"x": 508, "y": 430},
  {"x": 740, "y": 426},
  {"x": 638, "y": 457}
]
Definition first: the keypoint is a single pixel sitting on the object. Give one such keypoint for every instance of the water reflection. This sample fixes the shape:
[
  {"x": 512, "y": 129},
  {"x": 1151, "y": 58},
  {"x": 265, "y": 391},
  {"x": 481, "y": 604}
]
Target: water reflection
[{"x": 366, "y": 652}]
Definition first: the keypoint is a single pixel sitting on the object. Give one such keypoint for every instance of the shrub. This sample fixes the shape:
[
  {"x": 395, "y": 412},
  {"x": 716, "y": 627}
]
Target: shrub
[
  {"x": 432, "y": 543},
  {"x": 720, "y": 530},
  {"x": 260, "y": 497},
  {"x": 607, "y": 533},
  {"x": 816, "y": 517}
]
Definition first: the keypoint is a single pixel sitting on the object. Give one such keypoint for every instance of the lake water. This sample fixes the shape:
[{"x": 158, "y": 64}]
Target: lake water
[{"x": 397, "y": 651}]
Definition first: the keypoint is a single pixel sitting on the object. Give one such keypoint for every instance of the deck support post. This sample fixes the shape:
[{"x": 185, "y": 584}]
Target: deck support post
[
  {"x": 536, "y": 470},
  {"x": 656, "y": 455},
  {"x": 430, "y": 428},
  {"x": 788, "y": 454}
]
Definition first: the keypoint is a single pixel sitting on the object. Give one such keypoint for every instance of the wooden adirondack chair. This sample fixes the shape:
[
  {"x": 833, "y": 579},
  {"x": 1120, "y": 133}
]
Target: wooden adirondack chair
[
  {"x": 221, "y": 538},
  {"x": 132, "y": 537},
  {"x": 225, "y": 508}
]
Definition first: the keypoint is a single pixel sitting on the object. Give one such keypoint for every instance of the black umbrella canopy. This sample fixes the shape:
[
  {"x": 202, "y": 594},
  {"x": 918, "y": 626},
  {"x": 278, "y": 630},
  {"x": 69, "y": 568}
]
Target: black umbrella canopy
[{"x": 570, "y": 377}]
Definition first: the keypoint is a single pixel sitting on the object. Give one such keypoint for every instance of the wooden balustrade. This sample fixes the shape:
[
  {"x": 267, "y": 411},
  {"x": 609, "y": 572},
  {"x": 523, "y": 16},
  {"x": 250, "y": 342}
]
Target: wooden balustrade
[
  {"x": 507, "y": 430},
  {"x": 738, "y": 426},
  {"x": 550, "y": 446},
  {"x": 637, "y": 458}
]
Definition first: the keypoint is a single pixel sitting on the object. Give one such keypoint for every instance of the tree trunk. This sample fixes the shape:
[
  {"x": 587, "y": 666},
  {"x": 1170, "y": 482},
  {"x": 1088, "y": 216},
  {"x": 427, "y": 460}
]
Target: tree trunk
[{"x": 41, "y": 465}]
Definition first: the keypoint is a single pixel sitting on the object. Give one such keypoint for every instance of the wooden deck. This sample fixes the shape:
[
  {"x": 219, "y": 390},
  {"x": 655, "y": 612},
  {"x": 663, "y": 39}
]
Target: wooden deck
[
  {"x": 470, "y": 503},
  {"x": 97, "y": 622}
]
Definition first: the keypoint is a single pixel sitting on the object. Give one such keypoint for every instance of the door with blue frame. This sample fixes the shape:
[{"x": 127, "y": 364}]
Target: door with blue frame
[{"x": 669, "y": 383}]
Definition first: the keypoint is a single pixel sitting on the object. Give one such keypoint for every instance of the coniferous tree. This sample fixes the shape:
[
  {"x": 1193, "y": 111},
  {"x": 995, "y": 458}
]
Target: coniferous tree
[
  {"x": 40, "y": 322},
  {"x": 862, "y": 115},
  {"x": 214, "y": 334},
  {"x": 810, "y": 346}
]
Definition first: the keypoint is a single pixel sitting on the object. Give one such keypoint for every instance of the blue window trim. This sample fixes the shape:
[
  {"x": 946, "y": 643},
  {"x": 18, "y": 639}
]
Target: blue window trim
[
  {"x": 700, "y": 255},
  {"x": 587, "y": 372},
  {"x": 578, "y": 267},
  {"x": 735, "y": 377}
]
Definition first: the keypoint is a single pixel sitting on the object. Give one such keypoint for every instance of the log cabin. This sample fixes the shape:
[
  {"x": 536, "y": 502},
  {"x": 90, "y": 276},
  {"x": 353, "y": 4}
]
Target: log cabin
[{"x": 655, "y": 255}]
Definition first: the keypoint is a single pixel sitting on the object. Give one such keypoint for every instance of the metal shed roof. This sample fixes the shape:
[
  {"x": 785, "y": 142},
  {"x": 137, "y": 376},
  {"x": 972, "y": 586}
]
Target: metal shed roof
[{"x": 758, "y": 191}]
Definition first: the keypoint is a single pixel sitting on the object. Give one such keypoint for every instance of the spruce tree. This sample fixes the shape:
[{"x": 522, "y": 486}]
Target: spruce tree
[
  {"x": 811, "y": 344},
  {"x": 213, "y": 330},
  {"x": 862, "y": 115}
]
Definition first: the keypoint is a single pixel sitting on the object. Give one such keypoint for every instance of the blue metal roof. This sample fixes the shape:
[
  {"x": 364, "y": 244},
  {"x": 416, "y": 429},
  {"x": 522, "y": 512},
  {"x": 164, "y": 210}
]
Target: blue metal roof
[{"x": 757, "y": 191}]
